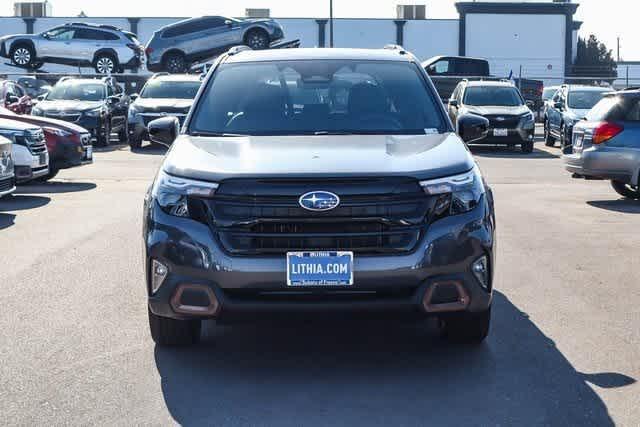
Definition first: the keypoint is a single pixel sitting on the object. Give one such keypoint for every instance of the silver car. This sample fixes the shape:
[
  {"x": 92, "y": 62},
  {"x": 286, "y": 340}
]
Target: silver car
[
  {"x": 174, "y": 47},
  {"x": 105, "y": 48},
  {"x": 7, "y": 177}
]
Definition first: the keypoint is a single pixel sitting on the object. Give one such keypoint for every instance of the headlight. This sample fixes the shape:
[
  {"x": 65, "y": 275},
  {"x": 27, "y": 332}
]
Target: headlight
[
  {"x": 16, "y": 136},
  {"x": 528, "y": 117},
  {"x": 459, "y": 193},
  {"x": 172, "y": 192},
  {"x": 97, "y": 112},
  {"x": 58, "y": 132}
]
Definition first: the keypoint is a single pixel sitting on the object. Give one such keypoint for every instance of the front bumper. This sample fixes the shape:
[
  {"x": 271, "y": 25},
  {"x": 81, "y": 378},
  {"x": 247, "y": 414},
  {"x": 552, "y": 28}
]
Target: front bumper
[
  {"x": 605, "y": 162},
  {"x": 67, "y": 155},
  {"x": 7, "y": 185},
  {"x": 246, "y": 286}
]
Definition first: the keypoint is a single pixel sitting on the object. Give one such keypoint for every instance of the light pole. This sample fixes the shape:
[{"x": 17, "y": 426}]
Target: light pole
[{"x": 330, "y": 23}]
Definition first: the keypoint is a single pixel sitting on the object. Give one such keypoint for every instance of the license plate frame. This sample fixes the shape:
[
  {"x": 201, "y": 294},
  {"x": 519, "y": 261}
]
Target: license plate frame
[
  {"x": 312, "y": 276},
  {"x": 500, "y": 132}
]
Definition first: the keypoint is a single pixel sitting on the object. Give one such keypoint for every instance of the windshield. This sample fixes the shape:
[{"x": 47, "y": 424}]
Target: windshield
[
  {"x": 77, "y": 92},
  {"x": 499, "y": 96},
  {"x": 312, "y": 96},
  {"x": 548, "y": 93},
  {"x": 584, "y": 99},
  {"x": 171, "y": 89}
]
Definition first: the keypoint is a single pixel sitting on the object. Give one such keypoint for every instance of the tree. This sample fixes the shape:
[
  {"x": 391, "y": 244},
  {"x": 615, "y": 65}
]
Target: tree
[{"x": 594, "y": 60}]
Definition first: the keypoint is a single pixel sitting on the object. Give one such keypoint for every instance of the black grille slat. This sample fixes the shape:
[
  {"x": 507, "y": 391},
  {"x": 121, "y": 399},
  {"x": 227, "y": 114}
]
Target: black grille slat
[
  {"x": 6, "y": 184},
  {"x": 509, "y": 122}
]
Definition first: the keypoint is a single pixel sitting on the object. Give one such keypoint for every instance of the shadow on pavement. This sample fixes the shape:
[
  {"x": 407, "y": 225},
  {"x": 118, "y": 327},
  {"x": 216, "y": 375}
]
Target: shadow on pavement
[
  {"x": 56, "y": 187},
  {"x": 6, "y": 220},
  {"x": 151, "y": 149},
  {"x": 113, "y": 146},
  {"x": 377, "y": 374},
  {"x": 620, "y": 205},
  {"x": 17, "y": 202},
  {"x": 500, "y": 151}
]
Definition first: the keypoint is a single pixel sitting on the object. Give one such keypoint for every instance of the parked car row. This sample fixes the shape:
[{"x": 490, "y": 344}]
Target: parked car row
[{"x": 108, "y": 49}]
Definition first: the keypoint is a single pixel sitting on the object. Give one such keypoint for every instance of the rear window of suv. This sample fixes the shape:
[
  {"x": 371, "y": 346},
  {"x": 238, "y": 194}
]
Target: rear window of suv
[
  {"x": 616, "y": 108},
  {"x": 313, "y": 96}
]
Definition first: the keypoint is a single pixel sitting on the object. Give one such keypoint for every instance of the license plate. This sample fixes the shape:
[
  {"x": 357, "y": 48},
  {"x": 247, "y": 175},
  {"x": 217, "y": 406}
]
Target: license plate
[
  {"x": 578, "y": 141},
  {"x": 306, "y": 269},
  {"x": 89, "y": 154},
  {"x": 501, "y": 132}
]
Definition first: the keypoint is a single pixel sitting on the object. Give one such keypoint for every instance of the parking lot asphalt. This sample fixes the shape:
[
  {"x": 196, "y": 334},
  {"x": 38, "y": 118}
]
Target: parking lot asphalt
[{"x": 564, "y": 347}]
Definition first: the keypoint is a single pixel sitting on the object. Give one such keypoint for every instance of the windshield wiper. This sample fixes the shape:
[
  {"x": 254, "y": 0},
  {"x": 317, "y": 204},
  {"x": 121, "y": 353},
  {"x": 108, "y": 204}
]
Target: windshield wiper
[{"x": 212, "y": 134}]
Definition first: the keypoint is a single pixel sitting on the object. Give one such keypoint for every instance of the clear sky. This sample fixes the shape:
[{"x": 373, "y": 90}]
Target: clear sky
[{"x": 607, "y": 19}]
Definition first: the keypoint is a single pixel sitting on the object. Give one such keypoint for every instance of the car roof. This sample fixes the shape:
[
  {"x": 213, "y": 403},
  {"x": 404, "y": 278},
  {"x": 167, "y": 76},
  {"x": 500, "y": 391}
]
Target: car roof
[
  {"x": 83, "y": 81},
  {"x": 298, "y": 54},
  {"x": 493, "y": 83}
]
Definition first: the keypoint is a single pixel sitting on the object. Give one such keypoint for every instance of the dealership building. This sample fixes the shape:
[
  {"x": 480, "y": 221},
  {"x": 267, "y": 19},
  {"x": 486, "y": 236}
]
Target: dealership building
[{"x": 537, "y": 39}]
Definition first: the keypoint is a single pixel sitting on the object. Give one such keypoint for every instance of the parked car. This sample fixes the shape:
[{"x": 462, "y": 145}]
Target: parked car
[
  {"x": 28, "y": 150},
  {"x": 15, "y": 97},
  {"x": 174, "y": 47},
  {"x": 68, "y": 145},
  {"x": 33, "y": 86},
  {"x": 511, "y": 122},
  {"x": 447, "y": 71},
  {"x": 268, "y": 206},
  {"x": 105, "y": 48},
  {"x": 99, "y": 106},
  {"x": 548, "y": 92},
  {"x": 163, "y": 95},
  {"x": 607, "y": 144},
  {"x": 569, "y": 105},
  {"x": 7, "y": 174}
]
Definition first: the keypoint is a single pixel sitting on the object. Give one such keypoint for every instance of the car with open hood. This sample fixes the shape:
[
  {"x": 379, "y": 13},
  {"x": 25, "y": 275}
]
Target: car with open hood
[{"x": 312, "y": 182}]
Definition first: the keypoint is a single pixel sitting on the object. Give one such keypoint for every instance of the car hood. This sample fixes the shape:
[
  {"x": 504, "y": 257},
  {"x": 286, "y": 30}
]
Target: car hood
[
  {"x": 67, "y": 106},
  {"x": 419, "y": 156},
  {"x": 15, "y": 36},
  {"x": 16, "y": 125},
  {"x": 255, "y": 20},
  {"x": 44, "y": 122},
  {"x": 163, "y": 105},
  {"x": 497, "y": 110}
]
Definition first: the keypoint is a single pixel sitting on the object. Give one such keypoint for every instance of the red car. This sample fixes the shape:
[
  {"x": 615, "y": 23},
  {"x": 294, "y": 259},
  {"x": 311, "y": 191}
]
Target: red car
[
  {"x": 69, "y": 145},
  {"x": 15, "y": 98}
]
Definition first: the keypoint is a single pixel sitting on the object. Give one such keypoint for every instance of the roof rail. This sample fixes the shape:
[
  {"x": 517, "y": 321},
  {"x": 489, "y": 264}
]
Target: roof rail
[
  {"x": 109, "y": 27},
  {"x": 237, "y": 49},
  {"x": 630, "y": 88},
  {"x": 397, "y": 47}
]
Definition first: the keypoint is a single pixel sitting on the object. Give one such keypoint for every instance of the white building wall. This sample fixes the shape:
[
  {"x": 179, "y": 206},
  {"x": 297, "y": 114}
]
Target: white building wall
[
  {"x": 362, "y": 33},
  {"x": 304, "y": 29},
  {"x": 510, "y": 41},
  {"x": 428, "y": 38}
]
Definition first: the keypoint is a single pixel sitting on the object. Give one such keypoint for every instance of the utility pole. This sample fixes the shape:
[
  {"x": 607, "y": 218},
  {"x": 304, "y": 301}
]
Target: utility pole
[
  {"x": 330, "y": 23},
  {"x": 618, "y": 49}
]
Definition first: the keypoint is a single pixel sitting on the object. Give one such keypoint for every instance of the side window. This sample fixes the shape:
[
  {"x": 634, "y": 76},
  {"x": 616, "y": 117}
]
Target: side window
[
  {"x": 109, "y": 36},
  {"x": 633, "y": 115},
  {"x": 10, "y": 90},
  {"x": 110, "y": 91},
  {"x": 439, "y": 68},
  {"x": 18, "y": 90},
  {"x": 194, "y": 26},
  {"x": 62, "y": 35}
]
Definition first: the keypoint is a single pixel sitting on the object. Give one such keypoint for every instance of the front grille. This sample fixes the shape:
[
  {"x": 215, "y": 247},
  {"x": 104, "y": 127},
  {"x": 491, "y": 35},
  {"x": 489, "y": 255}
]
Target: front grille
[
  {"x": 508, "y": 122},
  {"x": 35, "y": 141},
  {"x": 65, "y": 117},
  {"x": 85, "y": 139},
  {"x": 263, "y": 217},
  {"x": 6, "y": 184}
]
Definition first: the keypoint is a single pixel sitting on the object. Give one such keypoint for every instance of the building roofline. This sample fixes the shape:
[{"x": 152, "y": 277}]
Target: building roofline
[{"x": 529, "y": 8}]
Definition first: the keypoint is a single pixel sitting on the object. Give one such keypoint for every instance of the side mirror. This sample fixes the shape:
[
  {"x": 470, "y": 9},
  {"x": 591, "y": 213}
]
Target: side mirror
[
  {"x": 41, "y": 97},
  {"x": 164, "y": 130},
  {"x": 530, "y": 104},
  {"x": 134, "y": 96},
  {"x": 558, "y": 105},
  {"x": 113, "y": 100},
  {"x": 228, "y": 22},
  {"x": 472, "y": 127},
  {"x": 454, "y": 103}
]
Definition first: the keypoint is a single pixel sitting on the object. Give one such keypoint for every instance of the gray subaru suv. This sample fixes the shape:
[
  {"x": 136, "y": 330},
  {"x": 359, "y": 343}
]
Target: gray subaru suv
[
  {"x": 318, "y": 182},
  {"x": 175, "y": 47}
]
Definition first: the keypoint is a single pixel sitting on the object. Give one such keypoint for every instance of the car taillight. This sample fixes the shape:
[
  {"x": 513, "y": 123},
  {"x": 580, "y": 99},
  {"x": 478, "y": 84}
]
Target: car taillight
[{"x": 605, "y": 131}]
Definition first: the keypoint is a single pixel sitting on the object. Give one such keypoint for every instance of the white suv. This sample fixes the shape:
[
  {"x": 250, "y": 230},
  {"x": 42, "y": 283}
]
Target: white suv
[{"x": 105, "y": 48}]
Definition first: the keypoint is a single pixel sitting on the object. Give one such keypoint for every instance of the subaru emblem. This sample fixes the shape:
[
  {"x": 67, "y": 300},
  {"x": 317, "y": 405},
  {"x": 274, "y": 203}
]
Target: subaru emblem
[{"x": 319, "y": 201}]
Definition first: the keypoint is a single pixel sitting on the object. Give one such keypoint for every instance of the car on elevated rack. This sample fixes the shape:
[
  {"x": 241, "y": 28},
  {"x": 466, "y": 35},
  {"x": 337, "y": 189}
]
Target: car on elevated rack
[
  {"x": 7, "y": 173},
  {"x": 28, "y": 149},
  {"x": 163, "y": 95},
  {"x": 606, "y": 145},
  {"x": 68, "y": 145},
  {"x": 511, "y": 122},
  {"x": 283, "y": 196},
  {"x": 105, "y": 48},
  {"x": 100, "y": 106},
  {"x": 174, "y": 47}
]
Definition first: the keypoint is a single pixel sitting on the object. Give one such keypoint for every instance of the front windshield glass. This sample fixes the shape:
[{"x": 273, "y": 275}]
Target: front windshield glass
[
  {"x": 312, "y": 96},
  {"x": 548, "y": 93},
  {"x": 71, "y": 91},
  {"x": 584, "y": 99},
  {"x": 499, "y": 96},
  {"x": 171, "y": 89}
]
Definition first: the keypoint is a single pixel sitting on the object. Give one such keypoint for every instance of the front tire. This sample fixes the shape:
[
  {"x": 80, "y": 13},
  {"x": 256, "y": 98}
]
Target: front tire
[
  {"x": 172, "y": 332},
  {"x": 123, "y": 135},
  {"x": 104, "y": 138},
  {"x": 626, "y": 190},
  {"x": 527, "y": 147},
  {"x": 468, "y": 328},
  {"x": 257, "y": 39},
  {"x": 23, "y": 55},
  {"x": 548, "y": 139},
  {"x": 175, "y": 63}
]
